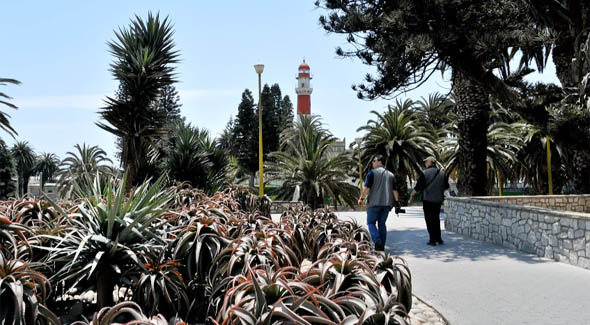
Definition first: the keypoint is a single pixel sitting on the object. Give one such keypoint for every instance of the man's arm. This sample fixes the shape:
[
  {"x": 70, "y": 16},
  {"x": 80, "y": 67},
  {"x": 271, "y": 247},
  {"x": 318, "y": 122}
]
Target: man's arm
[
  {"x": 395, "y": 195},
  {"x": 419, "y": 185},
  {"x": 363, "y": 195}
]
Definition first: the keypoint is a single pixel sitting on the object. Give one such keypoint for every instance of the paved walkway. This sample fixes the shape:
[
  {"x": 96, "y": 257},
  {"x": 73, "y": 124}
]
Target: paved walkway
[{"x": 473, "y": 282}]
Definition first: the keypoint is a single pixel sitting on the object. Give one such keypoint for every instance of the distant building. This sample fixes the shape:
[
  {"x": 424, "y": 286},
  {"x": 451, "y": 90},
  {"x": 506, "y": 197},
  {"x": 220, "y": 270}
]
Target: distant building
[
  {"x": 34, "y": 188},
  {"x": 337, "y": 147}
]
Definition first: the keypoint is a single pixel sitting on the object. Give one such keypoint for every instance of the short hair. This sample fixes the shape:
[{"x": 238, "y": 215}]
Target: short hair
[{"x": 380, "y": 158}]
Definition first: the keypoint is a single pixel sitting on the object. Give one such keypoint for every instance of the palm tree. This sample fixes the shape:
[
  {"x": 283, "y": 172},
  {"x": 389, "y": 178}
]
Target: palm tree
[
  {"x": 87, "y": 160},
  {"x": 504, "y": 141},
  {"x": 304, "y": 161},
  {"x": 25, "y": 158},
  {"x": 436, "y": 109},
  {"x": 4, "y": 122},
  {"x": 47, "y": 166},
  {"x": 194, "y": 157},
  {"x": 144, "y": 55},
  {"x": 531, "y": 165},
  {"x": 403, "y": 137},
  {"x": 7, "y": 172}
]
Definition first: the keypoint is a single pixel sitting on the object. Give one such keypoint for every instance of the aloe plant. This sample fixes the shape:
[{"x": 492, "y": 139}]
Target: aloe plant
[
  {"x": 161, "y": 288},
  {"x": 108, "y": 233},
  {"x": 22, "y": 294}
]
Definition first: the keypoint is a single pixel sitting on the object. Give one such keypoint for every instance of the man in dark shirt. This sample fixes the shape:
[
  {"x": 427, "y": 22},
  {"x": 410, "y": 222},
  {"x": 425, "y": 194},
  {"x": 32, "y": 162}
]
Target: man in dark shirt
[
  {"x": 432, "y": 183},
  {"x": 382, "y": 195}
]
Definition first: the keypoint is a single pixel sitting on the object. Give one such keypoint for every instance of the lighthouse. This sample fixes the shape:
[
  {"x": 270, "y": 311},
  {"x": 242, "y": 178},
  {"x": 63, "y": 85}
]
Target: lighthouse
[{"x": 303, "y": 89}]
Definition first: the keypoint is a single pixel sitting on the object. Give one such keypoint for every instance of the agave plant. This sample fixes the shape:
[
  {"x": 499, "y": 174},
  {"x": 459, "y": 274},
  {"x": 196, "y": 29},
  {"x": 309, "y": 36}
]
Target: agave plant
[
  {"x": 22, "y": 294},
  {"x": 108, "y": 233}
]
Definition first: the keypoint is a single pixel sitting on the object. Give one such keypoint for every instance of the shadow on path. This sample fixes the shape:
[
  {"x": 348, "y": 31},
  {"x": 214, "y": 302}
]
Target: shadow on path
[{"x": 412, "y": 241}]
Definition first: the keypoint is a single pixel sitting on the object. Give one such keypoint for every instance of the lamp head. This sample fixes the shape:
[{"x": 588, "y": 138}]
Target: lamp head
[{"x": 259, "y": 67}]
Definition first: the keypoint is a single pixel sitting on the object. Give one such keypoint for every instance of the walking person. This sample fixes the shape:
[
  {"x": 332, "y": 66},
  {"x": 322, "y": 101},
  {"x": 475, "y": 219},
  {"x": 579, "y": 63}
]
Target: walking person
[
  {"x": 382, "y": 195},
  {"x": 432, "y": 183}
]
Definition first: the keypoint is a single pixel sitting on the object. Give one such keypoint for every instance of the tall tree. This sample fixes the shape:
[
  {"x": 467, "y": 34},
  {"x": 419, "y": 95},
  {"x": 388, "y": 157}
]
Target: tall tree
[
  {"x": 4, "y": 122},
  {"x": 7, "y": 173},
  {"x": 246, "y": 135},
  {"x": 286, "y": 113},
  {"x": 569, "y": 21},
  {"x": 25, "y": 158},
  {"x": 409, "y": 40},
  {"x": 144, "y": 58},
  {"x": 270, "y": 118}
]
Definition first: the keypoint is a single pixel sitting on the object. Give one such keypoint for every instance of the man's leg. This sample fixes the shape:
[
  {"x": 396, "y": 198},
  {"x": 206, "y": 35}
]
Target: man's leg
[
  {"x": 383, "y": 214},
  {"x": 428, "y": 211},
  {"x": 372, "y": 217},
  {"x": 436, "y": 222}
]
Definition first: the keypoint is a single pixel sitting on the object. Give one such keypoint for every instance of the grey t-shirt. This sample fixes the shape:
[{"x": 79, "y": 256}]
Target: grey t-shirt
[{"x": 381, "y": 183}]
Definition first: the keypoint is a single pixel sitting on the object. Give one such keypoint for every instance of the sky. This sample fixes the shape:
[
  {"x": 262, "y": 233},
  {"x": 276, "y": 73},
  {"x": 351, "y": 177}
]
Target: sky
[{"x": 58, "y": 50}]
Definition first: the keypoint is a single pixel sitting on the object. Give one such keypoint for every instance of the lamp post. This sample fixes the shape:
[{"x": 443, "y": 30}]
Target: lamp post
[
  {"x": 259, "y": 67},
  {"x": 358, "y": 145}
]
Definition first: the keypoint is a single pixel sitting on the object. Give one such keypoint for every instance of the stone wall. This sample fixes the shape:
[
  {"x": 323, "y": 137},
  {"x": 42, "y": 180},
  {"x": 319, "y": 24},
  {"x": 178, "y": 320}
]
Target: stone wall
[
  {"x": 577, "y": 203},
  {"x": 560, "y": 235}
]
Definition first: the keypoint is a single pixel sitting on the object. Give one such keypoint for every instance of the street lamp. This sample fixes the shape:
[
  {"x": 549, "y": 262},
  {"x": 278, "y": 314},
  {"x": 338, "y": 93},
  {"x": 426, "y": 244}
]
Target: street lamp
[
  {"x": 259, "y": 67},
  {"x": 358, "y": 145}
]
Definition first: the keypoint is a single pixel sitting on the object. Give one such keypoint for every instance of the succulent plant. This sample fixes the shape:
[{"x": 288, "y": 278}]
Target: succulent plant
[{"x": 22, "y": 294}]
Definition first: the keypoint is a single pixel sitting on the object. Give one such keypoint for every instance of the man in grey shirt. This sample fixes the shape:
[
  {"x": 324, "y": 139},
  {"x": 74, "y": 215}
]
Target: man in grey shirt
[
  {"x": 380, "y": 186},
  {"x": 432, "y": 183}
]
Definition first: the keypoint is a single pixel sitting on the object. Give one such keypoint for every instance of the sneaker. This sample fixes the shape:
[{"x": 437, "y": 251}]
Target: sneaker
[
  {"x": 440, "y": 242},
  {"x": 431, "y": 243}
]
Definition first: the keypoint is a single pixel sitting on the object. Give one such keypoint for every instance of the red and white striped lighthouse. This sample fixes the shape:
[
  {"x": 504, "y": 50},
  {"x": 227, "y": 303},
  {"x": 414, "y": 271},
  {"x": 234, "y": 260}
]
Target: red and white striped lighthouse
[{"x": 303, "y": 89}]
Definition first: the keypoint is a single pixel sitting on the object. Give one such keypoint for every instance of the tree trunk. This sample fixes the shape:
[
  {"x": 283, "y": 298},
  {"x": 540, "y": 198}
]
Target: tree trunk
[
  {"x": 251, "y": 180},
  {"x": 105, "y": 285},
  {"x": 131, "y": 162},
  {"x": 401, "y": 182},
  {"x": 472, "y": 107}
]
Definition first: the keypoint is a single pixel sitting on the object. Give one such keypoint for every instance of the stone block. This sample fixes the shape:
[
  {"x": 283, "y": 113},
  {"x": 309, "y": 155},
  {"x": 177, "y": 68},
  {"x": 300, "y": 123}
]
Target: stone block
[
  {"x": 555, "y": 228},
  {"x": 581, "y": 224},
  {"x": 553, "y": 241},
  {"x": 562, "y": 235},
  {"x": 570, "y": 234},
  {"x": 567, "y": 244},
  {"x": 579, "y": 244},
  {"x": 584, "y": 262},
  {"x": 548, "y": 252},
  {"x": 550, "y": 219},
  {"x": 573, "y": 258},
  {"x": 531, "y": 238},
  {"x": 529, "y": 248},
  {"x": 567, "y": 222},
  {"x": 579, "y": 233}
]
